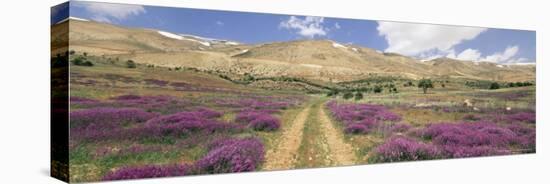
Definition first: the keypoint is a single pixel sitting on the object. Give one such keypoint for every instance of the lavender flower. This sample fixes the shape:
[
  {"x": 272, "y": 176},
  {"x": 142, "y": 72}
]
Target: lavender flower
[
  {"x": 109, "y": 116},
  {"x": 265, "y": 123},
  {"x": 232, "y": 155},
  {"x": 149, "y": 171},
  {"x": 400, "y": 127},
  {"x": 404, "y": 149},
  {"x": 522, "y": 117}
]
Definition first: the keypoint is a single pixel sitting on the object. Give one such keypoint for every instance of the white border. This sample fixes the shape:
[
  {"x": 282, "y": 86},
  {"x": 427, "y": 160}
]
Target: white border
[{"x": 24, "y": 97}]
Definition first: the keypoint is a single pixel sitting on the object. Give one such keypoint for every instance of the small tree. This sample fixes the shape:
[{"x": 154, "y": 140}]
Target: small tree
[
  {"x": 248, "y": 77},
  {"x": 332, "y": 92},
  {"x": 378, "y": 89},
  {"x": 130, "y": 64},
  {"x": 425, "y": 84},
  {"x": 79, "y": 61},
  {"x": 494, "y": 85},
  {"x": 358, "y": 96},
  {"x": 348, "y": 95}
]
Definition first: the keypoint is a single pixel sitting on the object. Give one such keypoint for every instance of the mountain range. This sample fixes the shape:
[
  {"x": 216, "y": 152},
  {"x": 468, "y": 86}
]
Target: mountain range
[{"x": 313, "y": 59}]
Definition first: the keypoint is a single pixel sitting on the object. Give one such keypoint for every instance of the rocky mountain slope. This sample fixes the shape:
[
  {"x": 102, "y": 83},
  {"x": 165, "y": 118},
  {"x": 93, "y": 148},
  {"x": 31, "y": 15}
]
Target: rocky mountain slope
[{"x": 318, "y": 60}]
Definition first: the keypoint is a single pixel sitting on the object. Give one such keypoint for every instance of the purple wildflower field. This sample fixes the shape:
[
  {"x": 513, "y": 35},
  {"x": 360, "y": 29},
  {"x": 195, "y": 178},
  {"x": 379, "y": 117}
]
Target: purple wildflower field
[
  {"x": 161, "y": 125},
  {"x": 224, "y": 156},
  {"x": 363, "y": 118},
  {"x": 479, "y": 134}
]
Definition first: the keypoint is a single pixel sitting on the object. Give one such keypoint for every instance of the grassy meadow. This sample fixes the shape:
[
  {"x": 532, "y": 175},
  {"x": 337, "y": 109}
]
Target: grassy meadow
[{"x": 131, "y": 121}]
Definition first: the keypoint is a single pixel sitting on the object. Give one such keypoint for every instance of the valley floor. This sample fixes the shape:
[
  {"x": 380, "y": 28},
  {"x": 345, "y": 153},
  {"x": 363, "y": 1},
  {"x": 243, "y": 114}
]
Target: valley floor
[
  {"x": 183, "y": 115},
  {"x": 310, "y": 140}
]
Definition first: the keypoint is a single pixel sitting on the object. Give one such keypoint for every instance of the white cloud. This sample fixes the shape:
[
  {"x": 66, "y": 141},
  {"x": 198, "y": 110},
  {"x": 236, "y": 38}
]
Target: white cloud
[
  {"x": 337, "y": 26},
  {"x": 504, "y": 56},
  {"x": 413, "y": 39},
  {"x": 469, "y": 54},
  {"x": 519, "y": 60},
  {"x": 307, "y": 27},
  {"x": 107, "y": 12},
  {"x": 219, "y": 23}
]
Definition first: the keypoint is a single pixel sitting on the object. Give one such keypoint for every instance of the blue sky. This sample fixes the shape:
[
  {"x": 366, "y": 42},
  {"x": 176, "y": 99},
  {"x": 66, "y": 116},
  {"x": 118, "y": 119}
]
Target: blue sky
[{"x": 424, "y": 41}]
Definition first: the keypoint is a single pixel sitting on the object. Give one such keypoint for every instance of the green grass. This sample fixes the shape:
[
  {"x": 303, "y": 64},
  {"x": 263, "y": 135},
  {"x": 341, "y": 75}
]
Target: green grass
[
  {"x": 112, "y": 80},
  {"x": 313, "y": 150},
  {"x": 86, "y": 167}
]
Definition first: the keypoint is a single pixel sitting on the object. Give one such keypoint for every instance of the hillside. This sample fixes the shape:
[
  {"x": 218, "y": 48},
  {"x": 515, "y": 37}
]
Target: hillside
[{"x": 316, "y": 60}]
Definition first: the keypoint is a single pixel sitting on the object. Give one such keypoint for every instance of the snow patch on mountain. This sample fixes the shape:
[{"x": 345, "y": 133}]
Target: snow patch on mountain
[
  {"x": 170, "y": 35},
  {"x": 201, "y": 42},
  {"x": 210, "y": 41},
  {"x": 337, "y": 45},
  {"x": 72, "y": 18},
  {"x": 231, "y": 43},
  {"x": 311, "y": 65}
]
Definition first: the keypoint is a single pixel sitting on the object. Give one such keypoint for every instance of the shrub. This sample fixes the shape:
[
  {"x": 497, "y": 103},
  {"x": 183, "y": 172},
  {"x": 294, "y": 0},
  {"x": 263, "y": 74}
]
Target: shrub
[
  {"x": 232, "y": 155},
  {"x": 404, "y": 149},
  {"x": 466, "y": 151},
  {"x": 348, "y": 95},
  {"x": 400, "y": 127},
  {"x": 494, "y": 85},
  {"x": 522, "y": 117},
  {"x": 189, "y": 121},
  {"x": 81, "y": 100},
  {"x": 425, "y": 84},
  {"x": 265, "y": 122},
  {"x": 109, "y": 116},
  {"x": 248, "y": 77},
  {"x": 333, "y": 92},
  {"x": 127, "y": 97},
  {"x": 378, "y": 89},
  {"x": 388, "y": 116},
  {"x": 358, "y": 96},
  {"x": 248, "y": 116},
  {"x": 79, "y": 61},
  {"x": 356, "y": 128},
  {"x": 131, "y": 64},
  {"x": 156, "y": 82},
  {"x": 471, "y": 117},
  {"x": 526, "y": 137},
  {"x": 150, "y": 171},
  {"x": 471, "y": 139},
  {"x": 354, "y": 113}
]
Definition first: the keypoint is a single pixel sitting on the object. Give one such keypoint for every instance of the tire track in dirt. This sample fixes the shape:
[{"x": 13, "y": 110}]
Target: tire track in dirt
[
  {"x": 341, "y": 153},
  {"x": 283, "y": 156},
  {"x": 314, "y": 150}
]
